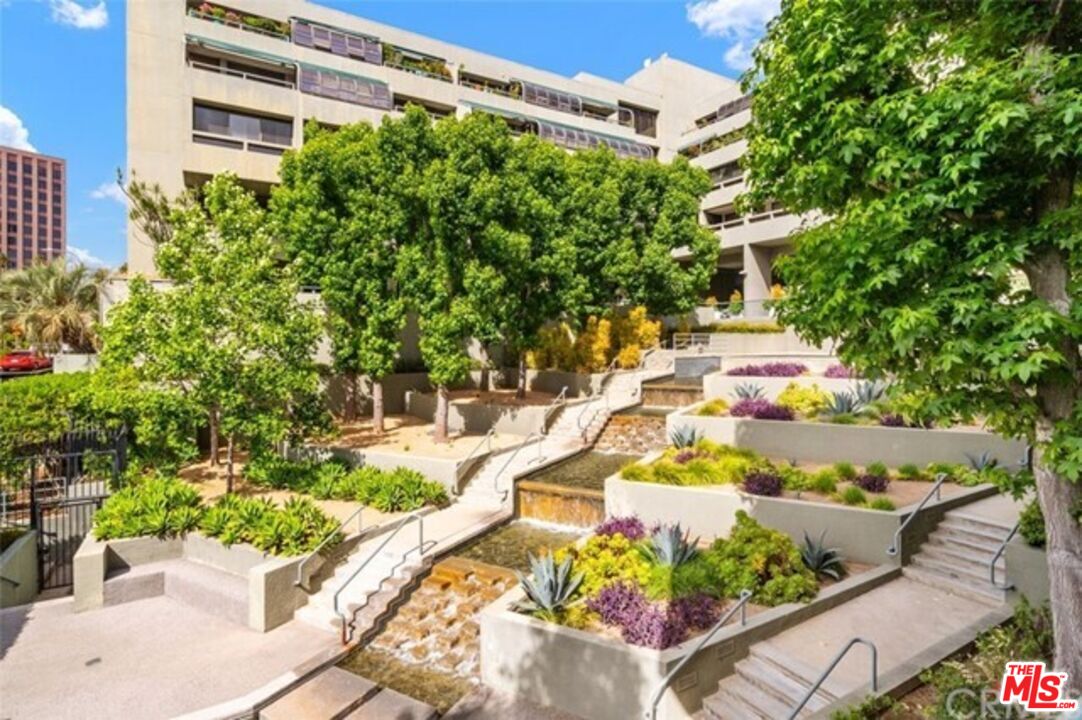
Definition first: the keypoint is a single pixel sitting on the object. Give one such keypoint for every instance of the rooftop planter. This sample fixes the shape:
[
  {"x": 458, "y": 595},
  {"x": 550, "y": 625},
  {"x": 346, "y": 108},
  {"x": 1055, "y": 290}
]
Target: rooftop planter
[{"x": 245, "y": 21}]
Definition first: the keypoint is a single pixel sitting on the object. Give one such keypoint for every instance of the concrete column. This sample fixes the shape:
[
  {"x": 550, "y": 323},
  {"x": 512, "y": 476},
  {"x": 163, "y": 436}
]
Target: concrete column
[{"x": 757, "y": 279}]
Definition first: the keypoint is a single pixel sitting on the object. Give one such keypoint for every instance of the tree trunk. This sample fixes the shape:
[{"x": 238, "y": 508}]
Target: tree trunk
[
  {"x": 486, "y": 382},
  {"x": 229, "y": 466},
  {"x": 377, "y": 407},
  {"x": 349, "y": 410},
  {"x": 439, "y": 433},
  {"x": 520, "y": 389},
  {"x": 213, "y": 422}
]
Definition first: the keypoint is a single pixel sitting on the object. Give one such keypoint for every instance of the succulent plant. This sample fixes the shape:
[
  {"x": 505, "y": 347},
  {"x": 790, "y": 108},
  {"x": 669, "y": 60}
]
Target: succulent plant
[
  {"x": 984, "y": 461},
  {"x": 549, "y": 587},
  {"x": 749, "y": 391},
  {"x": 842, "y": 402},
  {"x": 822, "y": 560},
  {"x": 868, "y": 392},
  {"x": 670, "y": 547},
  {"x": 767, "y": 484},
  {"x": 683, "y": 437}
]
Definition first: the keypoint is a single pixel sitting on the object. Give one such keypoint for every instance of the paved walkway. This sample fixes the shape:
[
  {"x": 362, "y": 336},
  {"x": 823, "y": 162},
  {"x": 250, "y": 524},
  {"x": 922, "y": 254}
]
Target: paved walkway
[
  {"x": 999, "y": 509},
  {"x": 153, "y": 658}
]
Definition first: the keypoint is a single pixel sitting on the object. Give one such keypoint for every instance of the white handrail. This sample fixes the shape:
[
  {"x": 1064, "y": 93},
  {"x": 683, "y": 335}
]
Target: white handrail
[
  {"x": 465, "y": 462},
  {"x": 742, "y": 606},
  {"x": 557, "y": 401},
  {"x": 299, "y": 582},
  {"x": 415, "y": 516},
  {"x": 532, "y": 436}
]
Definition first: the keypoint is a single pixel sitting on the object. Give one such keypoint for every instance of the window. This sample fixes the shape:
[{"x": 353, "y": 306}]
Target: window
[
  {"x": 242, "y": 125},
  {"x": 348, "y": 88},
  {"x": 543, "y": 96},
  {"x": 359, "y": 47}
]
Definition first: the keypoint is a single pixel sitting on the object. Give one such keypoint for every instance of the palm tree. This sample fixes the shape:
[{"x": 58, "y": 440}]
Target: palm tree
[{"x": 53, "y": 306}]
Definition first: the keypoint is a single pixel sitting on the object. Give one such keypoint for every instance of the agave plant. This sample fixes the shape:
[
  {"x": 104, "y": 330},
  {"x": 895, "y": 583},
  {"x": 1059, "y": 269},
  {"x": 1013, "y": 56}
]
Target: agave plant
[
  {"x": 984, "y": 461},
  {"x": 684, "y": 437},
  {"x": 822, "y": 560},
  {"x": 868, "y": 392},
  {"x": 548, "y": 588},
  {"x": 749, "y": 391},
  {"x": 842, "y": 402},
  {"x": 670, "y": 547}
]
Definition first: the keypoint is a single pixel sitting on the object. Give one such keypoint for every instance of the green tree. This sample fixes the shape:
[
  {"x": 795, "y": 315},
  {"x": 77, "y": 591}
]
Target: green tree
[
  {"x": 625, "y": 218},
  {"x": 53, "y": 305},
  {"x": 942, "y": 142},
  {"x": 346, "y": 206},
  {"x": 228, "y": 330}
]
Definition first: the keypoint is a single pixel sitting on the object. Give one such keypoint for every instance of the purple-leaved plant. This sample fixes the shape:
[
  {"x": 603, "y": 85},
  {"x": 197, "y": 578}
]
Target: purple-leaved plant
[
  {"x": 892, "y": 420},
  {"x": 871, "y": 482},
  {"x": 760, "y": 409},
  {"x": 630, "y": 527},
  {"x": 618, "y": 604},
  {"x": 839, "y": 371},
  {"x": 775, "y": 369},
  {"x": 699, "y": 611},
  {"x": 766, "y": 484}
]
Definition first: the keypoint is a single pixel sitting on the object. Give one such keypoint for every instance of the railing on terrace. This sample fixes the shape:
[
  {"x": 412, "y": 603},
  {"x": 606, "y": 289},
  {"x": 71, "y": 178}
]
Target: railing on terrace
[
  {"x": 742, "y": 606},
  {"x": 233, "y": 143},
  {"x": 727, "y": 182},
  {"x": 491, "y": 89},
  {"x": 299, "y": 582},
  {"x": 256, "y": 77},
  {"x": 240, "y": 24},
  {"x": 414, "y": 70},
  {"x": 830, "y": 668}
]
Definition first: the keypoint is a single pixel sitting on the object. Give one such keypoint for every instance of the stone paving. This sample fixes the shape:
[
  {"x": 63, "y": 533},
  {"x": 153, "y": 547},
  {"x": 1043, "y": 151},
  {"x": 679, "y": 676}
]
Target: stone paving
[{"x": 633, "y": 434}]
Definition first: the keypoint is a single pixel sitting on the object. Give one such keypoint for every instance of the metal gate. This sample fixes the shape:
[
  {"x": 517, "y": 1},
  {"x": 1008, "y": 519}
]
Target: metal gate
[{"x": 65, "y": 482}]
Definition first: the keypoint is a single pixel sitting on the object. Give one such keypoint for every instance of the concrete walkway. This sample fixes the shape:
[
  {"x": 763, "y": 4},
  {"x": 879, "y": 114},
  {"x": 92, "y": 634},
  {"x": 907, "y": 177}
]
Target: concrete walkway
[
  {"x": 153, "y": 658},
  {"x": 1001, "y": 510}
]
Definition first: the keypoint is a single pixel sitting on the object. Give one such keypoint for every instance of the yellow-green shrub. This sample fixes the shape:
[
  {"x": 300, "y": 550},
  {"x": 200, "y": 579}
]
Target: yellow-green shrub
[
  {"x": 713, "y": 408},
  {"x": 604, "y": 560},
  {"x": 705, "y": 463},
  {"x": 805, "y": 400}
]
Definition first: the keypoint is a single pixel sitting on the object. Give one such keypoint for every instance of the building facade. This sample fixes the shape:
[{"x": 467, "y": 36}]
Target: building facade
[
  {"x": 215, "y": 87},
  {"x": 33, "y": 207}
]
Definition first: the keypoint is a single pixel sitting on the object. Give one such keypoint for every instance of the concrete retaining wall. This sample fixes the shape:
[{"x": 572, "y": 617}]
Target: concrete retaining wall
[
  {"x": 272, "y": 597},
  {"x": 19, "y": 571},
  {"x": 600, "y": 678},
  {"x": 479, "y": 418},
  {"x": 720, "y": 385},
  {"x": 1027, "y": 570},
  {"x": 74, "y": 362},
  {"x": 858, "y": 444},
  {"x": 444, "y": 471}
]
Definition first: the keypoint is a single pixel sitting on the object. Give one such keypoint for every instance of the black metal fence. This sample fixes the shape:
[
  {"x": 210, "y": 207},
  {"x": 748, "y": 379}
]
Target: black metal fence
[{"x": 56, "y": 486}]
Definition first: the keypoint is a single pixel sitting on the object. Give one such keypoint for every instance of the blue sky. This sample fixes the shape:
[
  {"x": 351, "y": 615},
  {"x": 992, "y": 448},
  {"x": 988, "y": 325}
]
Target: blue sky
[{"x": 62, "y": 70}]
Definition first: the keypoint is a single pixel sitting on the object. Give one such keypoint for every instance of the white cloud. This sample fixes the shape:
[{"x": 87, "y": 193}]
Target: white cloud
[
  {"x": 741, "y": 21},
  {"x": 109, "y": 191},
  {"x": 13, "y": 133},
  {"x": 69, "y": 12},
  {"x": 78, "y": 255}
]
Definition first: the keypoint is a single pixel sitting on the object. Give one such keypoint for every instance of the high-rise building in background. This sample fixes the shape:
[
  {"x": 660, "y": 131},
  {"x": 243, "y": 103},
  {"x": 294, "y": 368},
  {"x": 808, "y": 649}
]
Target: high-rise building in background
[
  {"x": 33, "y": 207},
  {"x": 229, "y": 86}
]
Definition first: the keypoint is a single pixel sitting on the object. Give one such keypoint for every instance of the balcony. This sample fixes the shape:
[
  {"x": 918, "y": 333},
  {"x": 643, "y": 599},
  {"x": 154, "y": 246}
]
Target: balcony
[
  {"x": 726, "y": 110},
  {"x": 775, "y": 224},
  {"x": 257, "y": 24},
  {"x": 416, "y": 63},
  {"x": 710, "y": 144}
]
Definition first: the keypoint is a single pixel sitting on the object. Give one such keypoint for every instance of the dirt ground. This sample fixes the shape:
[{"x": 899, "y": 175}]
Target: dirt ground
[
  {"x": 899, "y": 492},
  {"x": 210, "y": 481},
  {"x": 408, "y": 434}
]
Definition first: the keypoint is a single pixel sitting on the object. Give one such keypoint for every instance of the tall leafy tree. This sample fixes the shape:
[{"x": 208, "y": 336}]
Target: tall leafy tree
[
  {"x": 53, "y": 305},
  {"x": 625, "y": 219},
  {"x": 942, "y": 141},
  {"x": 227, "y": 330}
]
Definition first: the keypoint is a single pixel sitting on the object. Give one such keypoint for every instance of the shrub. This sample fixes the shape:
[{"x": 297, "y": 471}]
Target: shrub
[
  {"x": 891, "y": 420},
  {"x": 871, "y": 482},
  {"x": 653, "y": 625},
  {"x": 854, "y": 496},
  {"x": 822, "y": 560},
  {"x": 877, "y": 468},
  {"x": 668, "y": 582},
  {"x": 845, "y": 470},
  {"x": 760, "y": 410},
  {"x": 616, "y": 604},
  {"x": 295, "y": 529},
  {"x": 709, "y": 464},
  {"x": 776, "y": 369},
  {"x": 764, "y": 561},
  {"x": 910, "y": 471},
  {"x": 713, "y": 408},
  {"x": 881, "y": 503},
  {"x": 839, "y": 371},
  {"x": 794, "y": 478},
  {"x": 763, "y": 483},
  {"x": 163, "y": 507},
  {"x": 807, "y": 401},
  {"x": 842, "y": 404},
  {"x": 1031, "y": 524},
  {"x": 824, "y": 481},
  {"x": 630, "y": 527},
  {"x": 605, "y": 560},
  {"x": 275, "y": 471},
  {"x": 746, "y": 327},
  {"x": 399, "y": 490}
]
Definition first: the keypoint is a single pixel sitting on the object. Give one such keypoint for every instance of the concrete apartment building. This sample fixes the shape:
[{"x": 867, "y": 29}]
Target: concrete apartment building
[
  {"x": 215, "y": 87},
  {"x": 33, "y": 207}
]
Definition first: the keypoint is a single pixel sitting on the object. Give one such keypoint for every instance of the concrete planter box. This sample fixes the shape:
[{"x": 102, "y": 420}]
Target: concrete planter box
[
  {"x": 858, "y": 444},
  {"x": 861, "y": 534},
  {"x": 601, "y": 678},
  {"x": 271, "y": 594},
  {"x": 19, "y": 571},
  {"x": 817, "y": 362},
  {"x": 447, "y": 472},
  {"x": 720, "y": 385},
  {"x": 479, "y": 418}
]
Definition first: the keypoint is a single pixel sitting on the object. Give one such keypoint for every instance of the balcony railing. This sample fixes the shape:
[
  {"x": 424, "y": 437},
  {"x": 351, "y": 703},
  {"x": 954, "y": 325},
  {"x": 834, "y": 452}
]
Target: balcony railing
[
  {"x": 237, "y": 23},
  {"x": 414, "y": 70},
  {"x": 227, "y": 141},
  {"x": 256, "y": 77},
  {"x": 491, "y": 89}
]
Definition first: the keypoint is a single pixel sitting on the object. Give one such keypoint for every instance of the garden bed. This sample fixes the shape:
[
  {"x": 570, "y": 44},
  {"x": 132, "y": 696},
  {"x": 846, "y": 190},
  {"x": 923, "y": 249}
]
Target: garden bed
[{"x": 474, "y": 411}]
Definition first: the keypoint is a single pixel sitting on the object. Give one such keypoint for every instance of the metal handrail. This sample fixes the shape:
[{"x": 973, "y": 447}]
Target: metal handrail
[
  {"x": 415, "y": 516},
  {"x": 299, "y": 582},
  {"x": 999, "y": 552},
  {"x": 14, "y": 583},
  {"x": 830, "y": 668},
  {"x": 557, "y": 401},
  {"x": 742, "y": 606},
  {"x": 486, "y": 440},
  {"x": 534, "y": 435},
  {"x": 896, "y": 543}
]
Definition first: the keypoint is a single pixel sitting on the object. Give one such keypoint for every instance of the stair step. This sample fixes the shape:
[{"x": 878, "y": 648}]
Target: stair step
[
  {"x": 723, "y": 705},
  {"x": 969, "y": 542},
  {"x": 331, "y": 694},
  {"x": 766, "y": 705},
  {"x": 982, "y": 592},
  {"x": 951, "y": 564},
  {"x": 780, "y": 685},
  {"x": 983, "y": 524},
  {"x": 796, "y": 669},
  {"x": 946, "y": 546},
  {"x": 390, "y": 705},
  {"x": 995, "y": 537}
]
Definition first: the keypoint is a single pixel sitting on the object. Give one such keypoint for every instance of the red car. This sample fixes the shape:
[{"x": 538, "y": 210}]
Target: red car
[{"x": 24, "y": 361}]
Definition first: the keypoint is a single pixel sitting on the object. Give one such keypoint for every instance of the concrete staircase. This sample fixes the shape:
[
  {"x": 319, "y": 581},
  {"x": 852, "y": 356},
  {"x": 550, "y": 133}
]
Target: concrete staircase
[
  {"x": 766, "y": 686},
  {"x": 956, "y": 557},
  {"x": 337, "y": 694},
  {"x": 490, "y": 485}
]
